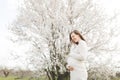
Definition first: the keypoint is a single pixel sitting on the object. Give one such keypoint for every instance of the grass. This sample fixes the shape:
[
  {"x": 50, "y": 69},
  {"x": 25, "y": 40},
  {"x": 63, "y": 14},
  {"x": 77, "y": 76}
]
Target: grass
[
  {"x": 116, "y": 79},
  {"x": 13, "y": 78},
  {"x": 27, "y": 78},
  {"x": 8, "y": 78}
]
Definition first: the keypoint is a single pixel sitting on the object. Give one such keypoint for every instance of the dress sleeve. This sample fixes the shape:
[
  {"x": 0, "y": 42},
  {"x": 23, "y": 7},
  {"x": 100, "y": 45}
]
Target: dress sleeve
[{"x": 82, "y": 52}]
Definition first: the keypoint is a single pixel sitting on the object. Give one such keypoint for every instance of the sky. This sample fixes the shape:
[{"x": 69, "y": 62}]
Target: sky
[
  {"x": 6, "y": 16},
  {"x": 8, "y": 13}
]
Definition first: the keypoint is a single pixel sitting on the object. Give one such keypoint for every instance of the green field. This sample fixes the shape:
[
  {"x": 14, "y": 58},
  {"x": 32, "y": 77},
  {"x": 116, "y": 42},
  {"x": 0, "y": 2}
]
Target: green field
[
  {"x": 27, "y": 78},
  {"x": 12, "y": 78},
  {"x": 15, "y": 78}
]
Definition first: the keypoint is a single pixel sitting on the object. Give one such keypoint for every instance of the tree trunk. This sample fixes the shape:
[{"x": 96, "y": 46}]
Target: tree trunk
[{"x": 6, "y": 73}]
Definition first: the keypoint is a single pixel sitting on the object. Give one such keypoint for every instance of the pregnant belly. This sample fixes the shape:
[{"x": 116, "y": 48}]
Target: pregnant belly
[{"x": 76, "y": 63}]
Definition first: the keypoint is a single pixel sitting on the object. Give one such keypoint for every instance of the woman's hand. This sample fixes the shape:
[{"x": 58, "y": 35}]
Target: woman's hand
[{"x": 70, "y": 68}]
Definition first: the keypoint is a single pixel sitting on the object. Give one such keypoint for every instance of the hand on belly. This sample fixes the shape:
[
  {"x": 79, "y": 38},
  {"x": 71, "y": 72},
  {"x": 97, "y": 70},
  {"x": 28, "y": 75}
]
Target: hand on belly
[{"x": 70, "y": 68}]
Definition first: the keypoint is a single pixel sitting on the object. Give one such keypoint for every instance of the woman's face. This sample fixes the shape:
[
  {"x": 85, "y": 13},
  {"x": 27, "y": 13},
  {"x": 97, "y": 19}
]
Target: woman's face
[{"x": 75, "y": 38}]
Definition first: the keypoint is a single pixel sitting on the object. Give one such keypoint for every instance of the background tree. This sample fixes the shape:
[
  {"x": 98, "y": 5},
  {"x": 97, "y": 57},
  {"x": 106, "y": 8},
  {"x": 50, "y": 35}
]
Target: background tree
[{"x": 46, "y": 26}]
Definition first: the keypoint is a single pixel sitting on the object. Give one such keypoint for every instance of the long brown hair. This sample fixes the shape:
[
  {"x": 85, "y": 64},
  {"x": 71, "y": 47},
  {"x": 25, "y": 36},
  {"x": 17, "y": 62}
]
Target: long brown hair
[{"x": 77, "y": 33}]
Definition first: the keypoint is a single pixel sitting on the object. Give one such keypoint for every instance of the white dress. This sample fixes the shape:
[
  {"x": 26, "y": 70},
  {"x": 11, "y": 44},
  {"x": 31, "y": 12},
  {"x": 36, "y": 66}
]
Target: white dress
[{"x": 77, "y": 59}]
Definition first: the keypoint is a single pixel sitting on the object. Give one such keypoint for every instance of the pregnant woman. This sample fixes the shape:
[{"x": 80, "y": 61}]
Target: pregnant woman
[{"x": 76, "y": 60}]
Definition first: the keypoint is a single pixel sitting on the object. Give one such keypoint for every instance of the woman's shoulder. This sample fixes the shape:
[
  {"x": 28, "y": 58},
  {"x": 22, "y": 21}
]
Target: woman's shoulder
[{"x": 82, "y": 42}]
